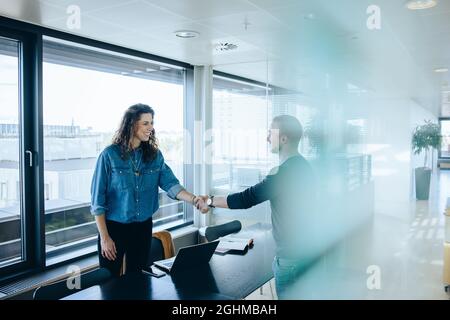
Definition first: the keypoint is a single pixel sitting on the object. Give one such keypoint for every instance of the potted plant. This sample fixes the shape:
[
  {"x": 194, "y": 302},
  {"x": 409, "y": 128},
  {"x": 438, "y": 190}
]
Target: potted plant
[{"x": 425, "y": 138}]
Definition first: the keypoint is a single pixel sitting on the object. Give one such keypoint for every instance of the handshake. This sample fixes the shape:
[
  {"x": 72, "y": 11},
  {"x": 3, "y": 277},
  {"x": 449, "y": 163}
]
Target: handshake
[{"x": 201, "y": 203}]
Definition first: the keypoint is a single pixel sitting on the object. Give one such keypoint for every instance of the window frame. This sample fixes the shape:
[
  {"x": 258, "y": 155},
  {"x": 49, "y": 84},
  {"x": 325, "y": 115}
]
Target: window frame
[
  {"x": 29, "y": 104},
  {"x": 31, "y": 59}
]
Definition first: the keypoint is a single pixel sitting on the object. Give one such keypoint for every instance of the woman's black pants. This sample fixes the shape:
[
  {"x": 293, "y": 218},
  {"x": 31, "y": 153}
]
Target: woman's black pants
[{"x": 133, "y": 240}]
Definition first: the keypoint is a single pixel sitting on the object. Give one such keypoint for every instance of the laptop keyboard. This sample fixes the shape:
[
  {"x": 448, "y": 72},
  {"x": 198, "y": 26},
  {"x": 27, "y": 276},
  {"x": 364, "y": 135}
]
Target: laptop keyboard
[{"x": 168, "y": 263}]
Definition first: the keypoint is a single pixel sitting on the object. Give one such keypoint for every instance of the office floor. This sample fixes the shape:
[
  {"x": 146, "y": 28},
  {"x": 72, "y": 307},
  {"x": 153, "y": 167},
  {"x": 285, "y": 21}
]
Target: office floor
[{"x": 399, "y": 255}]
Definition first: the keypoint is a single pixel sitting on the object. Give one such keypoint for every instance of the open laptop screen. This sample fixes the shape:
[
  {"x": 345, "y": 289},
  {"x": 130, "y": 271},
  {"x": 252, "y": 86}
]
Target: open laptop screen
[{"x": 188, "y": 257}]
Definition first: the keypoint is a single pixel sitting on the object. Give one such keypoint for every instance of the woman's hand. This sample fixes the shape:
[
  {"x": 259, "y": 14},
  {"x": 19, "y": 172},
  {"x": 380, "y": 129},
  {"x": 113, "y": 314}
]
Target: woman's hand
[
  {"x": 200, "y": 204},
  {"x": 108, "y": 248}
]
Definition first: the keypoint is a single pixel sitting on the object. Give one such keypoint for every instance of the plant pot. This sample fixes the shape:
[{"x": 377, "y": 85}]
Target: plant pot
[{"x": 423, "y": 178}]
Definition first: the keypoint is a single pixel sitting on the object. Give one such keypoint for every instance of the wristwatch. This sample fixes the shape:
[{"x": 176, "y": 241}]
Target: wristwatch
[{"x": 209, "y": 202}]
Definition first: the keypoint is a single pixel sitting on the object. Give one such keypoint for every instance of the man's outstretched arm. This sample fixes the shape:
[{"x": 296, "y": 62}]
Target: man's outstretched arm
[{"x": 248, "y": 198}]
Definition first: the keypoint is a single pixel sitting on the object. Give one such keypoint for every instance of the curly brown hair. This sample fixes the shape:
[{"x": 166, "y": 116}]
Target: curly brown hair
[{"x": 124, "y": 134}]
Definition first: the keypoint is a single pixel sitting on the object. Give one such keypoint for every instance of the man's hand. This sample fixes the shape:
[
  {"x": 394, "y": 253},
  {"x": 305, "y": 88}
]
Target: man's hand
[{"x": 200, "y": 204}]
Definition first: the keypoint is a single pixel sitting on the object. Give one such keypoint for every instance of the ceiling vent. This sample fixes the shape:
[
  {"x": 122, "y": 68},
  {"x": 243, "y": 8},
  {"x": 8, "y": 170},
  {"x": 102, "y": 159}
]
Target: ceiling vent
[{"x": 225, "y": 46}]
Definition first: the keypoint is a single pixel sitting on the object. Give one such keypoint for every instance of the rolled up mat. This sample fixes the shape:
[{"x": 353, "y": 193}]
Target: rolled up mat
[{"x": 215, "y": 232}]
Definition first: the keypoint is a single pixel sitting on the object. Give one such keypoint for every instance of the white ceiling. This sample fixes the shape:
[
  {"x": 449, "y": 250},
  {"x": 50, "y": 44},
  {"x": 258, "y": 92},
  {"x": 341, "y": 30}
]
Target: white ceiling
[{"x": 277, "y": 39}]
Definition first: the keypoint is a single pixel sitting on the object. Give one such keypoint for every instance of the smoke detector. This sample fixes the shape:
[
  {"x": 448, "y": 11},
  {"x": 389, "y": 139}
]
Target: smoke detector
[{"x": 225, "y": 46}]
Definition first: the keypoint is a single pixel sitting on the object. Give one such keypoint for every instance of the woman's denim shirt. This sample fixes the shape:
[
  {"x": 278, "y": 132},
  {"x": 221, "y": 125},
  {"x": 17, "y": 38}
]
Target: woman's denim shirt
[{"x": 124, "y": 197}]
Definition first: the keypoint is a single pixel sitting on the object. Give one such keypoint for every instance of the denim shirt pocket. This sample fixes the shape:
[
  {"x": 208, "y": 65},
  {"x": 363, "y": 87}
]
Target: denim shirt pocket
[
  {"x": 150, "y": 178},
  {"x": 121, "y": 178}
]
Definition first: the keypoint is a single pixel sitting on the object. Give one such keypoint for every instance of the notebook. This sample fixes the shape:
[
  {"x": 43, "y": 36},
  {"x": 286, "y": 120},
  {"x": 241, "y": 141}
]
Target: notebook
[{"x": 234, "y": 244}]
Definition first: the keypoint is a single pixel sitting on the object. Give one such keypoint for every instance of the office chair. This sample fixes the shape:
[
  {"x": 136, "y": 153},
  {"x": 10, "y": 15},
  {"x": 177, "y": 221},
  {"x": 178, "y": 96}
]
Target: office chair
[
  {"x": 59, "y": 289},
  {"x": 162, "y": 246},
  {"x": 215, "y": 232}
]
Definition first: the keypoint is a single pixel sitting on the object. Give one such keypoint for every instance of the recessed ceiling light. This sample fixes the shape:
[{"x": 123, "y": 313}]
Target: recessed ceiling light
[
  {"x": 150, "y": 69},
  {"x": 309, "y": 16},
  {"x": 441, "y": 70},
  {"x": 421, "y": 4},
  {"x": 186, "y": 34}
]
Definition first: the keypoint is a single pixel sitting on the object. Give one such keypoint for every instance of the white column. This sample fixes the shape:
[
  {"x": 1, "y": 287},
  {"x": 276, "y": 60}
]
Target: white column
[{"x": 202, "y": 137}]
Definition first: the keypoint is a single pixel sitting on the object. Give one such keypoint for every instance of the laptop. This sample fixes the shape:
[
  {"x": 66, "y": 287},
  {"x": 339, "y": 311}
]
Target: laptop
[{"x": 188, "y": 257}]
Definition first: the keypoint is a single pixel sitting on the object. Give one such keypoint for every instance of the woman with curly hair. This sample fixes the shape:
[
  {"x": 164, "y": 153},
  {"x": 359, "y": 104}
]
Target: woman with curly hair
[{"x": 124, "y": 191}]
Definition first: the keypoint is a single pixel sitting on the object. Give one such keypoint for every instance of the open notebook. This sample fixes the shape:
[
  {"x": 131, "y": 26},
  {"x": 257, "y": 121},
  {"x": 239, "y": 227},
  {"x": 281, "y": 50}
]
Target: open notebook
[{"x": 231, "y": 244}]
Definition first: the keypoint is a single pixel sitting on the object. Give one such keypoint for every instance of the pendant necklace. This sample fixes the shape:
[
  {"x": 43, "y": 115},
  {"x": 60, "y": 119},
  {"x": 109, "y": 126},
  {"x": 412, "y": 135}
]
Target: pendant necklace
[{"x": 136, "y": 167}]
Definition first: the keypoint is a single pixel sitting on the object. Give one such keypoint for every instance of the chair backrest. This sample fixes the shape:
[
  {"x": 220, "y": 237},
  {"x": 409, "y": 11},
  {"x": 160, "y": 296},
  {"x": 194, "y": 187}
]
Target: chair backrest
[
  {"x": 58, "y": 290},
  {"x": 215, "y": 232},
  {"x": 162, "y": 246},
  {"x": 156, "y": 251}
]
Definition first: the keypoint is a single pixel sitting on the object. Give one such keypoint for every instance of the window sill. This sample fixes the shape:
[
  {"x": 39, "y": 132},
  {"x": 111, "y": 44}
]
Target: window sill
[{"x": 26, "y": 285}]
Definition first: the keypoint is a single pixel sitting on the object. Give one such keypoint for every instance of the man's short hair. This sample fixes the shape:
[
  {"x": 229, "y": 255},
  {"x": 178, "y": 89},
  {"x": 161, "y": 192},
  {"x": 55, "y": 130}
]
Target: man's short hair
[{"x": 290, "y": 127}]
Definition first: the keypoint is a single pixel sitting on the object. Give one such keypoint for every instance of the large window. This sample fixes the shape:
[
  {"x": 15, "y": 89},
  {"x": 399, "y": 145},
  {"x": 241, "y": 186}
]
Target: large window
[
  {"x": 241, "y": 115},
  {"x": 11, "y": 219},
  {"x": 85, "y": 93}
]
